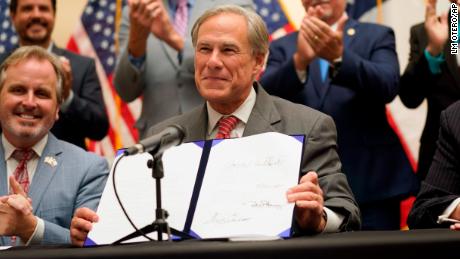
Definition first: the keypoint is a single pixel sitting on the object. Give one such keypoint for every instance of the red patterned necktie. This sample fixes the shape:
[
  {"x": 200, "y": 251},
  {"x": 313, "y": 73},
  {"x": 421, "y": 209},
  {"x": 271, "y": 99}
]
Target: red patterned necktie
[
  {"x": 181, "y": 17},
  {"x": 226, "y": 125},
  {"x": 21, "y": 174}
]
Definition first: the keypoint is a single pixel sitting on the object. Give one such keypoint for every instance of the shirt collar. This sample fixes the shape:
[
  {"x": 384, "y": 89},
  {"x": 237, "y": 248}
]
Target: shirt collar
[
  {"x": 37, "y": 148},
  {"x": 242, "y": 113}
]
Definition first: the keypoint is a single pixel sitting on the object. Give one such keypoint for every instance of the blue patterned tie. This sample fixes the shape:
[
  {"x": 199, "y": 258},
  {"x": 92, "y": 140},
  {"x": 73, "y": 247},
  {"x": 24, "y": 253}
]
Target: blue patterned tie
[{"x": 324, "y": 68}]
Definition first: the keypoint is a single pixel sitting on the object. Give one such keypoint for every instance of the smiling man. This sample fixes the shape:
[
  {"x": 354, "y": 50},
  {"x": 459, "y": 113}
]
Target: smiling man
[
  {"x": 82, "y": 112},
  {"x": 230, "y": 48},
  {"x": 43, "y": 180}
]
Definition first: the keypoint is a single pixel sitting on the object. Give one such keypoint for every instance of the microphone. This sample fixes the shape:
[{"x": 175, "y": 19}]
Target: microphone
[{"x": 172, "y": 135}]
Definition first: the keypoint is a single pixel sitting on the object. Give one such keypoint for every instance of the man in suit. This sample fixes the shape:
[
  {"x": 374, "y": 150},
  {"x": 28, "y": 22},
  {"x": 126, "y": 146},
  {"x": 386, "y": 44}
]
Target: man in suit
[
  {"x": 438, "y": 203},
  {"x": 432, "y": 74},
  {"x": 156, "y": 61},
  {"x": 49, "y": 175},
  {"x": 82, "y": 113},
  {"x": 349, "y": 70},
  {"x": 231, "y": 44}
]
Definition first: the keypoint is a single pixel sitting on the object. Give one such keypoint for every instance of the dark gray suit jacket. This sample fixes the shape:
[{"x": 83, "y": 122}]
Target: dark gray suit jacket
[
  {"x": 273, "y": 114},
  {"x": 442, "y": 183}
]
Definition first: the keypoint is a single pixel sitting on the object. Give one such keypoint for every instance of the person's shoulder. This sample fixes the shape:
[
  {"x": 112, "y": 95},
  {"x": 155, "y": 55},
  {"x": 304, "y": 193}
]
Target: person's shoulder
[
  {"x": 296, "y": 110},
  {"x": 72, "y": 56},
  {"x": 3, "y": 56},
  {"x": 78, "y": 154},
  {"x": 286, "y": 39},
  {"x": 453, "y": 109},
  {"x": 371, "y": 27},
  {"x": 181, "y": 120},
  {"x": 418, "y": 26}
]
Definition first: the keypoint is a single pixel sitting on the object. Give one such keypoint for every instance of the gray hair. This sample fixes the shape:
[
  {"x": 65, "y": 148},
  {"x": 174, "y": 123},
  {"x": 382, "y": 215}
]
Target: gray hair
[
  {"x": 257, "y": 31},
  {"x": 34, "y": 52}
]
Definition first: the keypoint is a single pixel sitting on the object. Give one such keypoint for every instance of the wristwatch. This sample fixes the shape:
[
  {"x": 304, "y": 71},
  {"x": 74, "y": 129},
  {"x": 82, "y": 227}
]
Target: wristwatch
[{"x": 336, "y": 64}]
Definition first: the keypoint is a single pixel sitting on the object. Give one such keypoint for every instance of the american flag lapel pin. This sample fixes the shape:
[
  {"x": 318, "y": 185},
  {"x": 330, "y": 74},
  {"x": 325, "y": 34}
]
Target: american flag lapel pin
[{"x": 51, "y": 161}]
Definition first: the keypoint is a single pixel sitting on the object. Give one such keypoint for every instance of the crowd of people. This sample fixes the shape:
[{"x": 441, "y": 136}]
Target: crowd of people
[{"x": 209, "y": 67}]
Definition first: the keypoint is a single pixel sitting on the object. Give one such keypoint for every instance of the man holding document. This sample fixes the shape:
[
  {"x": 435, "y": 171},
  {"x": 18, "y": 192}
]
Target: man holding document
[{"x": 231, "y": 44}]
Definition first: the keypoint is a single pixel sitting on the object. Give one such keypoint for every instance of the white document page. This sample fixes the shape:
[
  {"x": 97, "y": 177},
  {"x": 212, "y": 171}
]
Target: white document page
[
  {"x": 136, "y": 188},
  {"x": 244, "y": 188},
  {"x": 243, "y": 192}
]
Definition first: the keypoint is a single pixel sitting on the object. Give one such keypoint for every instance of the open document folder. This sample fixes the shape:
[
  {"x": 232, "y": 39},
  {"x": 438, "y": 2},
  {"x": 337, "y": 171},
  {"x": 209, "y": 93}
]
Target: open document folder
[{"x": 239, "y": 189}]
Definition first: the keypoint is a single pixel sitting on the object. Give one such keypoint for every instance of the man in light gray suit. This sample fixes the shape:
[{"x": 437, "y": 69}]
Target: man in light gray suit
[
  {"x": 156, "y": 61},
  {"x": 231, "y": 44},
  {"x": 41, "y": 190}
]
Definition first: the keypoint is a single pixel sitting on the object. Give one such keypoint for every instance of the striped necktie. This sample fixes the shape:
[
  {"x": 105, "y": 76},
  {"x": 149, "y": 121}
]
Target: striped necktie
[
  {"x": 181, "y": 17},
  {"x": 226, "y": 125}
]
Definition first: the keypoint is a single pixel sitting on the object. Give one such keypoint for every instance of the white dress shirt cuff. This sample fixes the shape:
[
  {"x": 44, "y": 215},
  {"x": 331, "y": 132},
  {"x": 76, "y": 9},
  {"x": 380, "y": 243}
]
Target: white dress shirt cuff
[
  {"x": 302, "y": 75},
  {"x": 334, "y": 221},
  {"x": 37, "y": 236},
  {"x": 444, "y": 217}
]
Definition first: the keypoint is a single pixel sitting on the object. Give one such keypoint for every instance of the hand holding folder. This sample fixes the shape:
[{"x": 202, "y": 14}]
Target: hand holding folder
[{"x": 211, "y": 189}]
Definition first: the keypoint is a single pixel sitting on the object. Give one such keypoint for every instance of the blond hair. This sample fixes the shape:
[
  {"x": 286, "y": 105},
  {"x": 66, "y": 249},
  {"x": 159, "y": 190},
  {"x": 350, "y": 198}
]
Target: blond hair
[{"x": 34, "y": 52}]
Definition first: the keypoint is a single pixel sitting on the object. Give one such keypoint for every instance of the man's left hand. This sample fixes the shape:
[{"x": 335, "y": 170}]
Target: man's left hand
[
  {"x": 326, "y": 42},
  {"x": 308, "y": 198},
  {"x": 68, "y": 79},
  {"x": 16, "y": 217}
]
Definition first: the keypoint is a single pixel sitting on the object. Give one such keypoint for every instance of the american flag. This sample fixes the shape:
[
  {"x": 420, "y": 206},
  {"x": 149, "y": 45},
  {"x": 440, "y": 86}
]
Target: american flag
[
  {"x": 274, "y": 17},
  {"x": 94, "y": 36},
  {"x": 8, "y": 37}
]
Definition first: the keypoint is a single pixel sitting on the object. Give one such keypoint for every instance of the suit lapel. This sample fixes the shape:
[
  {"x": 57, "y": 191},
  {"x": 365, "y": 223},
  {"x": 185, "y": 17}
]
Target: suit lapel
[
  {"x": 171, "y": 53},
  {"x": 3, "y": 174},
  {"x": 196, "y": 128},
  {"x": 349, "y": 33},
  {"x": 451, "y": 61},
  {"x": 57, "y": 50},
  {"x": 264, "y": 115},
  {"x": 45, "y": 170}
]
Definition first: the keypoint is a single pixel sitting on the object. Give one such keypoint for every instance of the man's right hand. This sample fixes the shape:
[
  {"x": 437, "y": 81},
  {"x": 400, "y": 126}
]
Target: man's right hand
[
  {"x": 81, "y": 224},
  {"x": 305, "y": 53},
  {"x": 437, "y": 29},
  {"x": 150, "y": 16}
]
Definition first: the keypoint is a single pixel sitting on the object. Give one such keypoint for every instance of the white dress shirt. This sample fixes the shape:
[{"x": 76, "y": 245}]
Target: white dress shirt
[{"x": 32, "y": 164}]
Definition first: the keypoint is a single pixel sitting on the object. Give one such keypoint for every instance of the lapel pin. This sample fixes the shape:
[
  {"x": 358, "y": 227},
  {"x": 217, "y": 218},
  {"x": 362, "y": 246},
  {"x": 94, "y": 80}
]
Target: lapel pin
[
  {"x": 51, "y": 161},
  {"x": 351, "y": 32}
]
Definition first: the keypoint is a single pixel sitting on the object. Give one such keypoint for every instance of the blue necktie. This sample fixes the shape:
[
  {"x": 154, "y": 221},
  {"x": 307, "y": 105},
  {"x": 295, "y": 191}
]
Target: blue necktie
[{"x": 324, "y": 68}]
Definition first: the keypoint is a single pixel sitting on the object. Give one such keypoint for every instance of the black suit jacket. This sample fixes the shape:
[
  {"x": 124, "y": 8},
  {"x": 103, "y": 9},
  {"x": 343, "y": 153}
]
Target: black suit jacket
[
  {"x": 85, "y": 117},
  {"x": 442, "y": 183},
  {"x": 418, "y": 83}
]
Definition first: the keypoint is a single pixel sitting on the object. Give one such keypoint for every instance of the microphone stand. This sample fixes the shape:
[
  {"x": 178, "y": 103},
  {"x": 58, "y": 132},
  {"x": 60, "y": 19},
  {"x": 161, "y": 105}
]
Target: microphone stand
[{"x": 160, "y": 225}]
